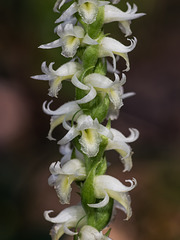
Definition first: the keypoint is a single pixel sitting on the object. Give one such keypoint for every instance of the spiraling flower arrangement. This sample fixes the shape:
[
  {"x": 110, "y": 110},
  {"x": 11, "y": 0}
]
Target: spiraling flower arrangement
[{"x": 98, "y": 97}]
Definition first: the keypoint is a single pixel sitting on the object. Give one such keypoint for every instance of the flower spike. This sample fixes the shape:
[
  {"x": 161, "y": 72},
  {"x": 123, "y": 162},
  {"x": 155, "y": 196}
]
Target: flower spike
[{"x": 98, "y": 98}]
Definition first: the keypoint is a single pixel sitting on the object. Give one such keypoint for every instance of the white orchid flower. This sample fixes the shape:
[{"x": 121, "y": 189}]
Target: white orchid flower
[
  {"x": 112, "y": 14},
  {"x": 104, "y": 85},
  {"x": 70, "y": 39},
  {"x": 62, "y": 177},
  {"x": 90, "y": 131},
  {"x": 88, "y": 10},
  {"x": 90, "y": 233},
  {"x": 119, "y": 143},
  {"x": 55, "y": 77},
  {"x": 65, "y": 220},
  {"x": 64, "y": 112},
  {"x": 106, "y": 186},
  {"x": 109, "y": 46}
]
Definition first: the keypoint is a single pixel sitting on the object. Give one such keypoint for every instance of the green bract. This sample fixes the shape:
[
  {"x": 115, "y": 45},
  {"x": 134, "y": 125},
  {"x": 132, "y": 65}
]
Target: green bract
[{"x": 99, "y": 96}]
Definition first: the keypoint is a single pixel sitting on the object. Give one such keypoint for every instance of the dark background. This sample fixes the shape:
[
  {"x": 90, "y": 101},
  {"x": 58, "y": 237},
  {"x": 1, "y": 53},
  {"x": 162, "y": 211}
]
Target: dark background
[{"x": 25, "y": 153}]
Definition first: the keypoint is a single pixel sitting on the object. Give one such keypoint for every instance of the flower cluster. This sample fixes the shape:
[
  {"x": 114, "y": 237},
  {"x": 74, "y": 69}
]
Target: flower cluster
[{"x": 98, "y": 97}]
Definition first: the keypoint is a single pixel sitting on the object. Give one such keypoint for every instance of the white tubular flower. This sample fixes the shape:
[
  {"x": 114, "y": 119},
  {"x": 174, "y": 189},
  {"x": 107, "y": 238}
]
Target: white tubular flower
[
  {"x": 90, "y": 233},
  {"x": 65, "y": 220},
  {"x": 106, "y": 186},
  {"x": 103, "y": 84},
  {"x": 88, "y": 10},
  {"x": 110, "y": 46},
  {"x": 64, "y": 112},
  {"x": 112, "y": 14},
  {"x": 62, "y": 177},
  {"x": 70, "y": 39},
  {"x": 55, "y": 77},
  {"x": 90, "y": 131},
  {"x": 112, "y": 88},
  {"x": 119, "y": 143}
]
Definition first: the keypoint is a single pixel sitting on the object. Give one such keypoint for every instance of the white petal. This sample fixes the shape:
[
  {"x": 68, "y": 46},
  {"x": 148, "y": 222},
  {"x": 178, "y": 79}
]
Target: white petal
[
  {"x": 90, "y": 141},
  {"x": 106, "y": 182},
  {"x": 58, "y": 5},
  {"x": 101, "y": 204},
  {"x": 84, "y": 122},
  {"x": 43, "y": 77},
  {"x": 125, "y": 27},
  {"x": 88, "y": 40},
  {"x": 69, "y": 136},
  {"x": 79, "y": 84},
  {"x": 126, "y": 95},
  {"x": 118, "y": 136},
  {"x": 90, "y": 96},
  {"x": 116, "y": 46},
  {"x": 66, "y": 108},
  {"x": 69, "y": 232},
  {"x": 54, "y": 122},
  {"x": 106, "y": 53},
  {"x": 44, "y": 68},
  {"x": 88, "y": 10},
  {"x": 68, "y": 69},
  {"x": 66, "y": 151},
  {"x": 112, "y": 13},
  {"x": 124, "y": 199},
  {"x": 54, "y": 44},
  {"x": 90, "y": 233},
  {"x": 98, "y": 80},
  {"x": 68, "y": 13},
  {"x": 70, "y": 46},
  {"x": 110, "y": 68},
  {"x": 70, "y": 213}
]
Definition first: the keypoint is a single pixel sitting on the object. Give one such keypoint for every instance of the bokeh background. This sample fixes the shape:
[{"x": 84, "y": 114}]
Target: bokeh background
[{"x": 25, "y": 153}]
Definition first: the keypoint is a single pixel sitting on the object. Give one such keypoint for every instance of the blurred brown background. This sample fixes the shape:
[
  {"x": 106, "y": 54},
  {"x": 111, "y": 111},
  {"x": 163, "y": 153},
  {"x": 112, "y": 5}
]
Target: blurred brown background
[{"x": 25, "y": 153}]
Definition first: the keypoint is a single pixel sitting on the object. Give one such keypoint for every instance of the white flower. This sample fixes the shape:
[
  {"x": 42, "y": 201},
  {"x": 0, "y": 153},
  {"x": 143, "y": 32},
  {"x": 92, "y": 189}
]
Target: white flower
[
  {"x": 90, "y": 233},
  {"x": 55, "y": 77},
  {"x": 106, "y": 186},
  {"x": 62, "y": 177},
  {"x": 104, "y": 85},
  {"x": 109, "y": 46},
  {"x": 70, "y": 39},
  {"x": 65, "y": 112},
  {"x": 112, "y": 14},
  {"x": 87, "y": 9},
  {"x": 90, "y": 131},
  {"x": 119, "y": 143},
  {"x": 68, "y": 218}
]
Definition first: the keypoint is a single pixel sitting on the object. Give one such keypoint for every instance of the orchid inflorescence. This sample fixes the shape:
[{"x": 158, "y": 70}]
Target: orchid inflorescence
[{"x": 82, "y": 39}]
